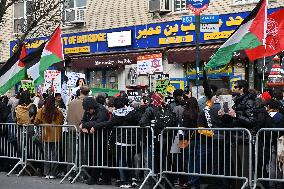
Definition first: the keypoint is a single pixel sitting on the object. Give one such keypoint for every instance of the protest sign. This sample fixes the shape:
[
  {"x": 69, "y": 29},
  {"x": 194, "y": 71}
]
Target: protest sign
[
  {"x": 149, "y": 64},
  {"x": 73, "y": 77},
  {"x": 134, "y": 95},
  {"x": 28, "y": 85},
  {"x": 52, "y": 80},
  {"x": 226, "y": 102}
]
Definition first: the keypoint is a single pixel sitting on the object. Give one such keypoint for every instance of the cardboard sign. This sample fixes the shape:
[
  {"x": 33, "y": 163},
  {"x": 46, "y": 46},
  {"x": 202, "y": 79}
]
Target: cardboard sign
[
  {"x": 149, "y": 64},
  {"x": 28, "y": 85},
  {"x": 73, "y": 77},
  {"x": 52, "y": 80}
]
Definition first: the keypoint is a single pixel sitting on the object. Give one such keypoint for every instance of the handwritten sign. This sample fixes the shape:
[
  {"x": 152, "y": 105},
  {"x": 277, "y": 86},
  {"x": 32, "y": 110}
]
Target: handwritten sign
[
  {"x": 162, "y": 85},
  {"x": 52, "y": 80},
  {"x": 28, "y": 85},
  {"x": 149, "y": 64}
]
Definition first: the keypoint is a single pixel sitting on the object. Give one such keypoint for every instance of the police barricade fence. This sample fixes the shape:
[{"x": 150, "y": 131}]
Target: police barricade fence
[
  {"x": 128, "y": 149},
  {"x": 52, "y": 145},
  {"x": 11, "y": 143},
  {"x": 191, "y": 153},
  {"x": 269, "y": 158}
]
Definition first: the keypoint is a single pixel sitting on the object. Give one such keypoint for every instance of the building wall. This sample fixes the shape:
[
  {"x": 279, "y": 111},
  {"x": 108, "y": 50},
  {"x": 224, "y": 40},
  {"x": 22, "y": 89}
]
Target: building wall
[{"x": 108, "y": 14}]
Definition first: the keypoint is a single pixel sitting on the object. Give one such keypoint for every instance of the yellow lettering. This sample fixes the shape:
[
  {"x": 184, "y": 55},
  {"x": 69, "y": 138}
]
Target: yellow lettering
[
  {"x": 65, "y": 40},
  {"x": 72, "y": 40}
]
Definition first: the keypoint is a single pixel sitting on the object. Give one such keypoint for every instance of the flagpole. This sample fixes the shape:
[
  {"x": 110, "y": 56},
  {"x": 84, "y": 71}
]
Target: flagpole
[{"x": 264, "y": 43}]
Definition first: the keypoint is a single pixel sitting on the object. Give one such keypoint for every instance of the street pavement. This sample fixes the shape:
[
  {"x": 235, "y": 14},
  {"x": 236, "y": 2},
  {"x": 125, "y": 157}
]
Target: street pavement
[{"x": 27, "y": 182}]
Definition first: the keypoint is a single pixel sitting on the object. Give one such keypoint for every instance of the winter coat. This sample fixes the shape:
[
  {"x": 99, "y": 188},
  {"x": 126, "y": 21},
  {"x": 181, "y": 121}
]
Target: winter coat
[
  {"x": 25, "y": 114},
  {"x": 4, "y": 112},
  {"x": 100, "y": 115},
  {"x": 122, "y": 117},
  {"x": 50, "y": 133},
  {"x": 75, "y": 112},
  {"x": 244, "y": 108}
]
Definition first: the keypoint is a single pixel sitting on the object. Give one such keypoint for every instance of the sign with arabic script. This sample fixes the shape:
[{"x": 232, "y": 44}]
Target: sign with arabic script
[
  {"x": 52, "y": 81},
  {"x": 149, "y": 64}
]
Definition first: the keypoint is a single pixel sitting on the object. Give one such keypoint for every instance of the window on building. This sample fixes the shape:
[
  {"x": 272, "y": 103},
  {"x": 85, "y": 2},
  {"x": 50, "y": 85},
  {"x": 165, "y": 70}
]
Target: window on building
[
  {"x": 243, "y": 2},
  {"x": 22, "y": 15},
  {"x": 74, "y": 11},
  {"x": 179, "y": 5}
]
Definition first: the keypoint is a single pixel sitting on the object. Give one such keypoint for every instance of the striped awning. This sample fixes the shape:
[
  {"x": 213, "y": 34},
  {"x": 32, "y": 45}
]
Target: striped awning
[{"x": 182, "y": 55}]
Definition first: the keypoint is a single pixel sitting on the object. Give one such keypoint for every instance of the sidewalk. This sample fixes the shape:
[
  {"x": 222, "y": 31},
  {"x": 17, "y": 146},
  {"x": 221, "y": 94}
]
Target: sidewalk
[{"x": 27, "y": 182}]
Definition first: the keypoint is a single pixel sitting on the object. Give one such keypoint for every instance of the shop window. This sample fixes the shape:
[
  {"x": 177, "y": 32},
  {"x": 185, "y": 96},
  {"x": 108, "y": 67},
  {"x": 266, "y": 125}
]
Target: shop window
[
  {"x": 96, "y": 79},
  {"x": 179, "y": 5},
  {"x": 74, "y": 11},
  {"x": 23, "y": 11}
]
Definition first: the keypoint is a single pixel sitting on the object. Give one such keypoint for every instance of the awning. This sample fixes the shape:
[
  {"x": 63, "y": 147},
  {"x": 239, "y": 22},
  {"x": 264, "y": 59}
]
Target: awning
[
  {"x": 183, "y": 55},
  {"x": 106, "y": 60}
]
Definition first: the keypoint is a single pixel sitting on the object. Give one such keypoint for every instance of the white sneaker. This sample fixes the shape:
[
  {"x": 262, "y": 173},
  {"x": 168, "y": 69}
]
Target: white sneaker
[
  {"x": 47, "y": 177},
  {"x": 51, "y": 177},
  {"x": 126, "y": 186}
]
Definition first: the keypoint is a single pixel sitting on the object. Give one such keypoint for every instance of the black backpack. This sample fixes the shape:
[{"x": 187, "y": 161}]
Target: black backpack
[{"x": 164, "y": 117}]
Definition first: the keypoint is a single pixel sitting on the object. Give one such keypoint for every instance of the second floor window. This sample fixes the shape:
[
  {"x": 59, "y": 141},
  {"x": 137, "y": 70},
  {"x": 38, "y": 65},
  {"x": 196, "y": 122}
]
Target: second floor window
[
  {"x": 22, "y": 15},
  {"x": 74, "y": 11},
  {"x": 71, "y": 4},
  {"x": 180, "y": 5},
  {"x": 243, "y": 2}
]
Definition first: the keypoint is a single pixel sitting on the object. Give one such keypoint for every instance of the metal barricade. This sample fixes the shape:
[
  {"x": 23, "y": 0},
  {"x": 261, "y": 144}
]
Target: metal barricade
[
  {"x": 268, "y": 167},
  {"x": 126, "y": 148},
  {"x": 213, "y": 152},
  {"x": 11, "y": 143},
  {"x": 52, "y": 145}
]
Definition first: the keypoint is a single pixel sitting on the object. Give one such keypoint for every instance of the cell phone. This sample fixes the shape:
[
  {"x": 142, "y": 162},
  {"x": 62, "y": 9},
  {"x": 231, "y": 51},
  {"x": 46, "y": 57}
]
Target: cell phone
[{"x": 226, "y": 107}]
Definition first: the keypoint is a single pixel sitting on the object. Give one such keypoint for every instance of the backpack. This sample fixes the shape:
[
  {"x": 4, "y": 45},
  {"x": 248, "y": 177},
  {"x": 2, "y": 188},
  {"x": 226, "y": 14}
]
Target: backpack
[
  {"x": 164, "y": 117},
  {"x": 280, "y": 152}
]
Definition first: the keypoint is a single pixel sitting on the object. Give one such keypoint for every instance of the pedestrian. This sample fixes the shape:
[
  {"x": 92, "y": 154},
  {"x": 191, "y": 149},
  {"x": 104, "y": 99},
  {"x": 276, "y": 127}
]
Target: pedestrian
[
  {"x": 75, "y": 114},
  {"x": 51, "y": 135}
]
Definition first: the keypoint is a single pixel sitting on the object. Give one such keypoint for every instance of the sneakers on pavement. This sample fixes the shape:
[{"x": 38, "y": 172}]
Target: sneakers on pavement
[{"x": 125, "y": 186}]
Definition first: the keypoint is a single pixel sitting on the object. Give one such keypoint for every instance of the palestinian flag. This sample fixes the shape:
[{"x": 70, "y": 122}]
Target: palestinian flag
[
  {"x": 13, "y": 71},
  {"x": 249, "y": 34},
  {"x": 51, "y": 53}
]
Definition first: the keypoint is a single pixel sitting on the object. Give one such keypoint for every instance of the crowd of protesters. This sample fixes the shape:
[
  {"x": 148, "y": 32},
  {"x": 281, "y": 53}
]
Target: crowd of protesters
[{"x": 251, "y": 110}]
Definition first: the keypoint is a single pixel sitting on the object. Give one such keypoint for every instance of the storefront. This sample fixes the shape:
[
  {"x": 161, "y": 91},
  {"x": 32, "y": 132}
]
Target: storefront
[{"x": 109, "y": 57}]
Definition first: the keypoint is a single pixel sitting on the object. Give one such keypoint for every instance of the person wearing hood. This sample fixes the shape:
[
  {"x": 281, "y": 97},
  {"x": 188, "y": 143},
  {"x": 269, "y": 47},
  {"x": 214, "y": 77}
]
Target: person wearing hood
[
  {"x": 124, "y": 139},
  {"x": 94, "y": 113}
]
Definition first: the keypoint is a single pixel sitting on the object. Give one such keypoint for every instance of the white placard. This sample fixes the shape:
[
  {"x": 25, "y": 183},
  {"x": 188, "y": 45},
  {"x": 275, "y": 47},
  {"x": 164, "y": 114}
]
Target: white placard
[
  {"x": 149, "y": 64},
  {"x": 208, "y": 28},
  {"x": 52, "y": 76},
  {"x": 119, "y": 39},
  {"x": 226, "y": 102},
  {"x": 73, "y": 77}
]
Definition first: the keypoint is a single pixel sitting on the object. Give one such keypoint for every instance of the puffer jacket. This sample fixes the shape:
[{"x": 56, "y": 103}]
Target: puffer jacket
[
  {"x": 245, "y": 111},
  {"x": 122, "y": 117},
  {"x": 100, "y": 115}
]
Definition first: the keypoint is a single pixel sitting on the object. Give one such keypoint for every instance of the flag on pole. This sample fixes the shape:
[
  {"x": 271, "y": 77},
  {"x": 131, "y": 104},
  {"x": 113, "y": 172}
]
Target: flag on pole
[
  {"x": 13, "y": 71},
  {"x": 249, "y": 34},
  {"x": 274, "y": 38},
  {"x": 52, "y": 53}
]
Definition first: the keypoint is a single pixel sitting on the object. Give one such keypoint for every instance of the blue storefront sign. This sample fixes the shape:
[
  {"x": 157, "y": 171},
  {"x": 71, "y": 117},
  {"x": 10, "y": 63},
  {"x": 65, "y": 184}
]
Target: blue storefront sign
[
  {"x": 203, "y": 19},
  {"x": 154, "y": 35}
]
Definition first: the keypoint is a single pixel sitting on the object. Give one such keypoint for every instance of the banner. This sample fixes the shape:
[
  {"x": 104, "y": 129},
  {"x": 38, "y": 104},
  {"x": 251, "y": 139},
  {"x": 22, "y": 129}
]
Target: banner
[
  {"x": 73, "y": 77},
  {"x": 149, "y": 64},
  {"x": 52, "y": 81},
  {"x": 28, "y": 85}
]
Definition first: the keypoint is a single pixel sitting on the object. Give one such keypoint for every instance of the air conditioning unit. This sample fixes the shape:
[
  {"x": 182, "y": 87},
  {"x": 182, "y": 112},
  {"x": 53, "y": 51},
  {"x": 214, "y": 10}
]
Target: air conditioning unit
[
  {"x": 75, "y": 15},
  {"x": 159, "y": 6}
]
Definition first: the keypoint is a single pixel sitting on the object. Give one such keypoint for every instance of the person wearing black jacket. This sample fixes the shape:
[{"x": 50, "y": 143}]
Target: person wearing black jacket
[
  {"x": 95, "y": 113},
  {"x": 126, "y": 140}
]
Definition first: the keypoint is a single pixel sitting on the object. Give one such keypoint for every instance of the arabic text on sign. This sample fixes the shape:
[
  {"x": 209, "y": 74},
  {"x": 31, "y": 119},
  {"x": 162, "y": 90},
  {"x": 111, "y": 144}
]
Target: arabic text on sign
[
  {"x": 218, "y": 35},
  {"x": 176, "y": 40},
  {"x": 209, "y": 28}
]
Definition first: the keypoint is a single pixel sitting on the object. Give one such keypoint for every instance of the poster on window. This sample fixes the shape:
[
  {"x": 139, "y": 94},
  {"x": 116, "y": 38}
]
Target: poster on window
[
  {"x": 52, "y": 81},
  {"x": 73, "y": 77},
  {"x": 149, "y": 64}
]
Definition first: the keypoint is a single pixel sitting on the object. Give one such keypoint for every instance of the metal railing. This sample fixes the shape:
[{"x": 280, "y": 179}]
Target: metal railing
[
  {"x": 268, "y": 166},
  {"x": 126, "y": 148},
  {"x": 221, "y": 153},
  {"x": 11, "y": 143}
]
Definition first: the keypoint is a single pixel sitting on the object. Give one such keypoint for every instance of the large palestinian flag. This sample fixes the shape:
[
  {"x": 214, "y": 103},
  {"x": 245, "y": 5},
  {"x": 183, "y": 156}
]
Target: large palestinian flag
[
  {"x": 51, "y": 53},
  {"x": 13, "y": 71},
  {"x": 249, "y": 34}
]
